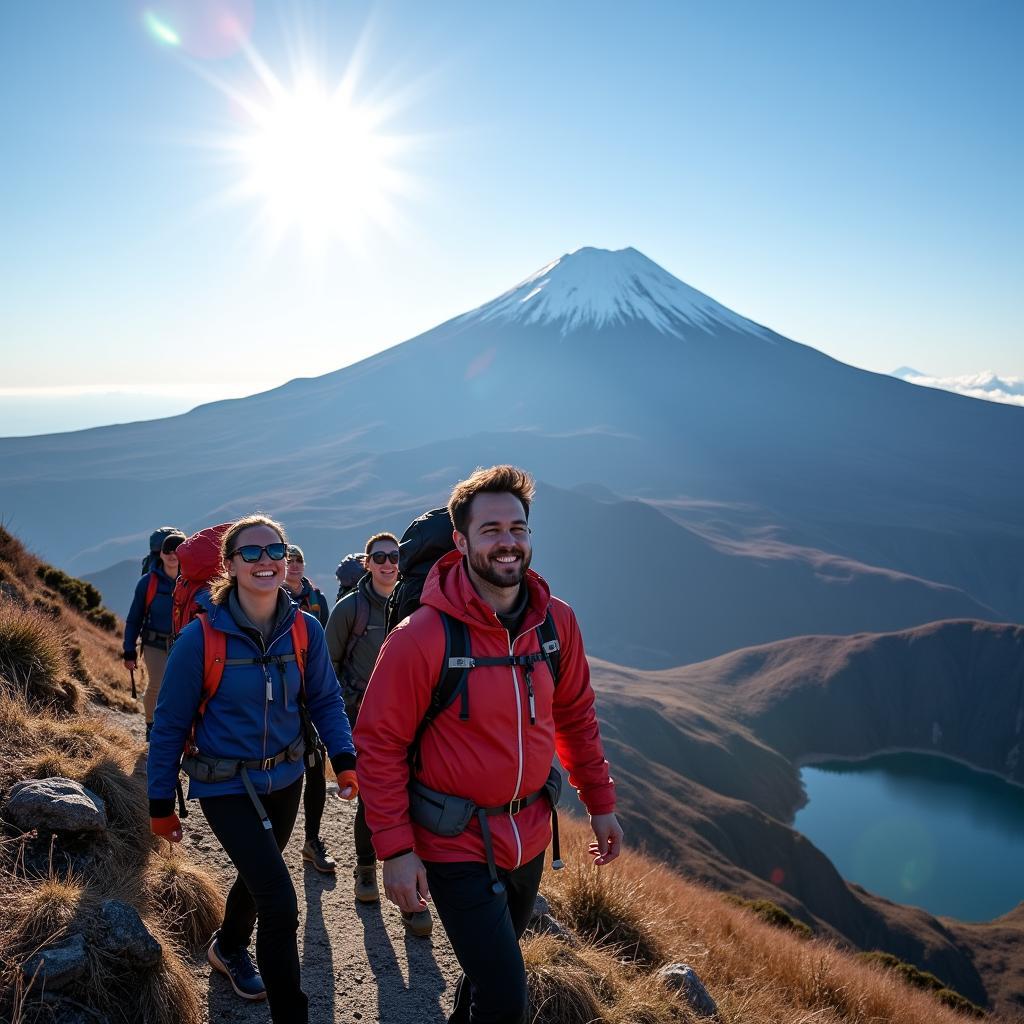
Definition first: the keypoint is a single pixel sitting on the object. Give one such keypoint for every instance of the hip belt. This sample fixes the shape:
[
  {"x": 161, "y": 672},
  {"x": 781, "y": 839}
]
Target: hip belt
[
  {"x": 151, "y": 638},
  {"x": 204, "y": 768},
  {"x": 447, "y": 815}
]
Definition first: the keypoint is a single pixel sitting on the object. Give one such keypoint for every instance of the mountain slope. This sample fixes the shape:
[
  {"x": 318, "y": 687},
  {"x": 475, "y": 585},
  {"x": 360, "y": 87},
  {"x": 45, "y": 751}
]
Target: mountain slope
[{"x": 600, "y": 369}]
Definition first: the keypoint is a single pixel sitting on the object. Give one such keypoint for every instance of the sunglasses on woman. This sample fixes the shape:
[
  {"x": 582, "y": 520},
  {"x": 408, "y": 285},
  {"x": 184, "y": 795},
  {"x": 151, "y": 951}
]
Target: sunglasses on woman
[
  {"x": 252, "y": 552},
  {"x": 380, "y": 557}
]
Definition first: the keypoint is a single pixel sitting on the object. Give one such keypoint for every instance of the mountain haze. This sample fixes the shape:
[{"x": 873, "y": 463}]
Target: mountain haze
[{"x": 788, "y": 493}]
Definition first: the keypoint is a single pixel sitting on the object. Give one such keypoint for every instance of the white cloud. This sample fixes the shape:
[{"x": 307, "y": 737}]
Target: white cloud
[{"x": 986, "y": 385}]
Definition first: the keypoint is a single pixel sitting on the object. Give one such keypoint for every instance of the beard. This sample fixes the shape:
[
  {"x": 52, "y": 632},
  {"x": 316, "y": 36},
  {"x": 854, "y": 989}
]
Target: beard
[{"x": 497, "y": 574}]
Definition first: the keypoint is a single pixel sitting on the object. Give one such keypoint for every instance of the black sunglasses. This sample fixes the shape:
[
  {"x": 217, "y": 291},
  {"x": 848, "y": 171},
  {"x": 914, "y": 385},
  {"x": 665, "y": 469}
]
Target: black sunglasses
[
  {"x": 380, "y": 557},
  {"x": 252, "y": 552}
]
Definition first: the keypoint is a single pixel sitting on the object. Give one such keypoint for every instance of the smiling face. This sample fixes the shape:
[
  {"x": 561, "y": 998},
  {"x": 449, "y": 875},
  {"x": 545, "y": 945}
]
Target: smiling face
[
  {"x": 293, "y": 574},
  {"x": 497, "y": 540},
  {"x": 170, "y": 563},
  {"x": 263, "y": 576},
  {"x": 383, "y": 577}
]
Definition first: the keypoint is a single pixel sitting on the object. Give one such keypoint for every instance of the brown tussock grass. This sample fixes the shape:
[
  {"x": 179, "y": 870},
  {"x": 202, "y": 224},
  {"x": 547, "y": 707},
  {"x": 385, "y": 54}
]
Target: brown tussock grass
[
  {"x": 636, "y": 916},
  {"x": 187, "y": 900}
]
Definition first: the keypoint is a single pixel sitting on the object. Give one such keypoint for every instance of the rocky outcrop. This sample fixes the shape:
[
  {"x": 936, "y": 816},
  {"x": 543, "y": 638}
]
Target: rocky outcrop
[
  {"x": 56, "y": 967},
  {"x": 683, "y": 978},
  {"x": 55, "y": 805},
  {"x": 119, "y": 931}
]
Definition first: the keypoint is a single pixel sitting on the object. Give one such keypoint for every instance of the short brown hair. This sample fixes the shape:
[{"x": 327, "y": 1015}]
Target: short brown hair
[
  {"x": 495, "y": 480},
  {"x": 379, "y": 536},
  {"x": 295, "y": 554},
  {"x": 220, "y": 586}
]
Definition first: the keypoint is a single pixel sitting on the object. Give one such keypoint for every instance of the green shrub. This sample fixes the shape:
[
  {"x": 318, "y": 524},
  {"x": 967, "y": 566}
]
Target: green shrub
[
  {"x": 104, "y": 618},
  {"x": 917, "y": 978},
  {"x": 77, "y": 593},
  {"x": 771, "y": 913}
]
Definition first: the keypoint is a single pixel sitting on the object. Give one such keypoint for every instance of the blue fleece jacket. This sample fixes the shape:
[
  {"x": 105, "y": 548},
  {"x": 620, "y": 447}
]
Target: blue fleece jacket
[
  {"x": 255, "y": 712},
  {"x": 159, "y": 616}
]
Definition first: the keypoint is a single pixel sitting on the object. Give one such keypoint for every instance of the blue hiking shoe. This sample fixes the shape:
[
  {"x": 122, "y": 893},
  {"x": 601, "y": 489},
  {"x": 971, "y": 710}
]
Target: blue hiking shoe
[{"x": 238, "y": 968}]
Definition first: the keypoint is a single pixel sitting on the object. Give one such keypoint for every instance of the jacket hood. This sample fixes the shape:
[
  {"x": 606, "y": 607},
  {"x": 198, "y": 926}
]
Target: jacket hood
[
  {"x": 229, "y": 617},
  {"x": 449, "y": 589},
  {"x": 371, "y": 595}
]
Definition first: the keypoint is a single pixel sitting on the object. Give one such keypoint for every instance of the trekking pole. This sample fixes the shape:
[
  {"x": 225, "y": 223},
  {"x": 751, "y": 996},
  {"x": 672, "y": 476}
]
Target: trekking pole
[{"x": 135, "y": 693}]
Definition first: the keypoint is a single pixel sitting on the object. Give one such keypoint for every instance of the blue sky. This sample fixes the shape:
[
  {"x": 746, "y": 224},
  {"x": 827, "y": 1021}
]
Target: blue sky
[{"x": 848, "y": 174}]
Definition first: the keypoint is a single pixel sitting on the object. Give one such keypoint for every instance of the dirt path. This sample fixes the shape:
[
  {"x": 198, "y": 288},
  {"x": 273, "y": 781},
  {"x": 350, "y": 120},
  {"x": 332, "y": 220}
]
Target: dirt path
[{"x": 358, "y": 964}]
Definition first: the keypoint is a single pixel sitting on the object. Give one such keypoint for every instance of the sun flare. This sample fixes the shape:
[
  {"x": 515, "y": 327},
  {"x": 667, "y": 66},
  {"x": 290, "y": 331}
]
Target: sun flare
[{"x": 320, "y": 163}]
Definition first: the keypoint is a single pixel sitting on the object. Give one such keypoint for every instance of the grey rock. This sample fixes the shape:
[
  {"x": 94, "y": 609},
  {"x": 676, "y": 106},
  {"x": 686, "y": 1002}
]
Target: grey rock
[
  {"x": 55, "y": 805},
  {"x": 120, "y": 931},
  {"x": 683, "y": 978},
  {"x": 543, "y": 922},
  {"x": 56, "y": 966}
]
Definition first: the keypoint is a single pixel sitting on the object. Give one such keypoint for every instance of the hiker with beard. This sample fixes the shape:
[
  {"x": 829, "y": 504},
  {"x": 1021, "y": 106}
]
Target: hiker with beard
[{"x": 459, "y": 798}]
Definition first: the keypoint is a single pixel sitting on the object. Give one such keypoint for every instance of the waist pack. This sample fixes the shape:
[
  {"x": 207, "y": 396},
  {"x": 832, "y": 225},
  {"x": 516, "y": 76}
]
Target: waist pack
[
  {"x": 448, "y": 815},
  {"x": 203, "y": 768}
]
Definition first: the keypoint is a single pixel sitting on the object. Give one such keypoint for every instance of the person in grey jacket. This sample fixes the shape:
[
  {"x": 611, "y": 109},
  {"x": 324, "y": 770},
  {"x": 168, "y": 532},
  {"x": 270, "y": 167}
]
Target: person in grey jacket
[{"x": 355, "y": 633}]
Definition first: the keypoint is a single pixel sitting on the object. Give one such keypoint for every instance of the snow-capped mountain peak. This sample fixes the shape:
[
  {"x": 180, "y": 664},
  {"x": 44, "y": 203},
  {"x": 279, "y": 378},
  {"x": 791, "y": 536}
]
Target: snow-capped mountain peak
[{"x": 599, "y": 287}]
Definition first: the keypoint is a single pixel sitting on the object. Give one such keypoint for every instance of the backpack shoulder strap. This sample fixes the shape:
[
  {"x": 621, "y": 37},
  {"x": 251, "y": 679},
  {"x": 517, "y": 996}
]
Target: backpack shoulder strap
[
  {"x": 359, "y": 626},
  {"x": 215, "y": 646},
  {"x": 452, "y": 678},
  {"x": 300, "y": 645},
  {"x": 550, "y": 646},
  {"x": 151, "y": 589}
]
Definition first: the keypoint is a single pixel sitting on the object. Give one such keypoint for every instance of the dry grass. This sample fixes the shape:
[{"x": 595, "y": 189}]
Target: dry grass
[
  {"x": 185, "y": 897},
  {"x": 637, "y": 916},
  {"x": 51, "y": 659}
]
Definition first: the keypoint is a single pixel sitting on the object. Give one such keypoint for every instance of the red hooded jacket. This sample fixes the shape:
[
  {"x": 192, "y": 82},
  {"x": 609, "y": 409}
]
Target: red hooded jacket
[{"x": 496, "y": 755}]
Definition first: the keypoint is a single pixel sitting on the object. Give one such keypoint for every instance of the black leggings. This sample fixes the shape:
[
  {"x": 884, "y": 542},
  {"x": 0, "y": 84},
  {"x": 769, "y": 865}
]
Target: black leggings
[
  {"x": 484, "y": 929},
  {"x": 315, "y": 798},
  {"x": 263, "y": 890}
]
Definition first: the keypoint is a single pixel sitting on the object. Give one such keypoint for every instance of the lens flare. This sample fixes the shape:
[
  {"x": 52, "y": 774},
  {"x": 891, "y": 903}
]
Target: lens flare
[{"x": 159, "y": 30}]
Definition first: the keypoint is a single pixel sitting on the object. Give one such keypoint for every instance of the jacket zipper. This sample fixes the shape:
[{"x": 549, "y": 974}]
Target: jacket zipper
[{"x": 519, "y": 737}]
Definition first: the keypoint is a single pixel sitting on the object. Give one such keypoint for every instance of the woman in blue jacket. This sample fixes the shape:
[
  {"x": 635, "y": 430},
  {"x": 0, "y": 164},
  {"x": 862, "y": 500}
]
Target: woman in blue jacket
[
  {"x": 150, "y": 617},
  {"x": 245, "y": 751}
]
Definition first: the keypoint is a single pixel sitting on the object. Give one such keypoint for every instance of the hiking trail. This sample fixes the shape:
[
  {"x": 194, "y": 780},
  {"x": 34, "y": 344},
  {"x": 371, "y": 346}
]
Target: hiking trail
[{"x": 358, "y": 964}]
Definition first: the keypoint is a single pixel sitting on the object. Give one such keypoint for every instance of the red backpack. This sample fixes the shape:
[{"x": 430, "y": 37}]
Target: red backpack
[{"x": 199, "y": 562}]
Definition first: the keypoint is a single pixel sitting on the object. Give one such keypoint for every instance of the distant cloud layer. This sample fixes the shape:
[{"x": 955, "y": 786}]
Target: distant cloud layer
[{"x": 986, "y": 384}]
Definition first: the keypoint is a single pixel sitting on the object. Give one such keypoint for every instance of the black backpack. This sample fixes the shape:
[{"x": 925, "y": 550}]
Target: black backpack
[
  {"x": 351, "y": 569},
  {"x": 427, "y": 539},
  {"x": 156, "y": 541}
]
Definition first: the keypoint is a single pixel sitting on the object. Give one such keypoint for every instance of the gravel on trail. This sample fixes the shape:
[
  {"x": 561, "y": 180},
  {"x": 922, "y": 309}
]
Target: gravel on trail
[{"x": 359, "y": 966}]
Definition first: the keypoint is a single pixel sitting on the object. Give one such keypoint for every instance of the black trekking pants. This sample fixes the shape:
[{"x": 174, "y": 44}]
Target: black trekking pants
[
  {"x": 315, "y": 798},
  {"x": 262, "y": 891},
  {"x": 365, "y": 853},
  {"x": 484, "y": 929}
]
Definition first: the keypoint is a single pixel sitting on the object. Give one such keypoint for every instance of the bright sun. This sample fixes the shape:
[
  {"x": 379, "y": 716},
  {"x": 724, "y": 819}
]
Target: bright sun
[{"x": 320, "y": 163}]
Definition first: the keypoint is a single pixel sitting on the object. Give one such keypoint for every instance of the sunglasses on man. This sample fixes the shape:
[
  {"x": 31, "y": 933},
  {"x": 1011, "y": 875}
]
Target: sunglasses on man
[
  {"x": 252, "y": 552},
  {"x": 380, "y": 557}
]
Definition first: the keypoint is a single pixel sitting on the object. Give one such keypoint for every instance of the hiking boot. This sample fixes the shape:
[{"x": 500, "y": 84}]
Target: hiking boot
[
  {"x": 316, "y": 853},
  {"x": 366, "y": 883},
  {"x": 149, "y": 729},
  {"x": 419, "y": 923},
  {"x": 238, "y": 968}
]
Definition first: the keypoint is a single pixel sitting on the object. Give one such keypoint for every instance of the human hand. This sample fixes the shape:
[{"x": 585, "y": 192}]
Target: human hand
[
  {"x": 348, "y": 785},
  {"x": 608, "y": 833},
  {"x": 168, "y": 827},
  {"x": 131, "y": 664},
  {"x": 405, "y": 883}
]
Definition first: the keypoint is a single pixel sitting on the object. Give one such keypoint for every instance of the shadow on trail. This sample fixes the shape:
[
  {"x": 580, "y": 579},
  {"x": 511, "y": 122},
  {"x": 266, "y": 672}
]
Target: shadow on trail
[
  {"x": 419, "y": 999},
  {"x": 317, "y": 953}
]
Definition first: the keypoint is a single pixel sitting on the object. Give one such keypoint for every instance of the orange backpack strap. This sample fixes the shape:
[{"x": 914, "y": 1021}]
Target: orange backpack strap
[
  {"x": 215, "y": 645},
  {"x": 300, "y": 645},
  {"x": 151, "y": 588}
]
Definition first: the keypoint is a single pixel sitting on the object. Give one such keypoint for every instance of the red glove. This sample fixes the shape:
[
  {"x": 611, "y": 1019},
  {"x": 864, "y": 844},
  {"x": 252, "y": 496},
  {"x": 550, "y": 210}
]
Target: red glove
[
  {"x": 348, "y": 780},
  {"x": 168, "y": 828}
]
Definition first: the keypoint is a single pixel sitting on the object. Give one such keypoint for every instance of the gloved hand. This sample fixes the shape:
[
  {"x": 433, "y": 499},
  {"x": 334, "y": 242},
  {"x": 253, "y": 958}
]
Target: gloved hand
[
  {"x": 348, "y": 785},
  {"x": 168, "y": 827}
]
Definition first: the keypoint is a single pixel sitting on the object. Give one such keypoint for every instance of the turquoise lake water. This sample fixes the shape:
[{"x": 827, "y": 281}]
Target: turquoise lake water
[{"x": 920, "y": 830}]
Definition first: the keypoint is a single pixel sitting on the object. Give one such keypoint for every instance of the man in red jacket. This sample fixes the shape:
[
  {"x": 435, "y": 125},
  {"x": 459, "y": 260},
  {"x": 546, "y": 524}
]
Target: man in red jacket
[{"x": 492, "y": 745}]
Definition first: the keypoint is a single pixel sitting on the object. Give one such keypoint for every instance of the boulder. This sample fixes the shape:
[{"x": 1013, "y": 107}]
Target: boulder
[
  {"x": 683, "y": 978},
  {"x": 56, "y": 966},
  {"x": 544, "y": 923},
  {"x": 55, "y": 805},
  {"x": 119, "y": 930}
]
